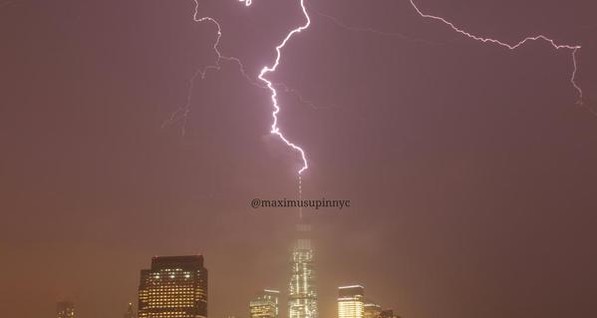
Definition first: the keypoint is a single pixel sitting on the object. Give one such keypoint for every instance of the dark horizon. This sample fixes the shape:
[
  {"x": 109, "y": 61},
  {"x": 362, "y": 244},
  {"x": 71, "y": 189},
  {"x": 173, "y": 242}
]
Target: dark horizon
[{"x": 470, "y": 168}]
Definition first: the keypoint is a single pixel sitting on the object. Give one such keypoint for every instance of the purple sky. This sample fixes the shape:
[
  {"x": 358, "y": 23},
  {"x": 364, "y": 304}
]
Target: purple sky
[{"x": 471, "y": 170}]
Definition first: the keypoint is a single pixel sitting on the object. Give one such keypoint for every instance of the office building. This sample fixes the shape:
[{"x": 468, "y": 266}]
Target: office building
[
  {"x": 266, "y": 305},
  {"x": 351, "y": 301},
  {"x": 371, "y": 310},
  {"x": 174, "y": 287}
]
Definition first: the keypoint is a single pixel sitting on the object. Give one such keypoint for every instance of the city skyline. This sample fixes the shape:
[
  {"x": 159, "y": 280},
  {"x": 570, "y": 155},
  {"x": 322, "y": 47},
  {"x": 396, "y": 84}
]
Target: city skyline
[
  {"x": 170, "y": 289},
  {"x": 179, "y": 270},
  {"x": 451, "y": 171},
  {"x": 176, "y": 286}
]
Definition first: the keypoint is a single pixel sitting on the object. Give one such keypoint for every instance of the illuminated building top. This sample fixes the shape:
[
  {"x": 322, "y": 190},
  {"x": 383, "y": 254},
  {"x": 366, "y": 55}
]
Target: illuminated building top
[
  {"x": 351, "y": 301},
  {"x": 174, "y": 287},
  {"x": 265, "y": 305},
  {"x": 371, "y": 310},
  {"x": 302, "y": 301}
]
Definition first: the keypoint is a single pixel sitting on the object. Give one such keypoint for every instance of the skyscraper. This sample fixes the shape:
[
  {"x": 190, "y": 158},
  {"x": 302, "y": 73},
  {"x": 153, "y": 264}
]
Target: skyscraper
[
  {"x": 302, "y": 301},
  {"x": 265, "y": 305},
  {"x": 174, "y": 287},
  {"x": 351, "y": 301},
  {"x": 65, "y": 309}
]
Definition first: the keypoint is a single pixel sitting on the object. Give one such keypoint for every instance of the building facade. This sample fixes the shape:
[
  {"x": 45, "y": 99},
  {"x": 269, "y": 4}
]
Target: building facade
[
  {"x": 302, "y": 302},
  {"x": 351, "y": 301},
  {"x": 65, "y": 309},
  {"x": 174, "y": 287},
  {"x": 372, "y": 310},
  {"x": 266, "y": 305}
]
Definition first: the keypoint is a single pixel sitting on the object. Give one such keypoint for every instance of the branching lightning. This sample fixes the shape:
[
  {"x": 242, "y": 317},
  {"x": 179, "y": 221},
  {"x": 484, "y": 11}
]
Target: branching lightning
[
  {"x": 268, "y": 69},
  {"x": 264, "y": 82},
  {"x": 572, "y": 48},
  {"x": 183, "y": 112},
  {"x": 274, "y": 93}
]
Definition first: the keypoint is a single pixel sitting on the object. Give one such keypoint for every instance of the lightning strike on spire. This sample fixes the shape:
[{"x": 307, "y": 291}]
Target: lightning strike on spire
[
  {"x": 274, "y": 93},
  {"x": 573, "y": 48}
]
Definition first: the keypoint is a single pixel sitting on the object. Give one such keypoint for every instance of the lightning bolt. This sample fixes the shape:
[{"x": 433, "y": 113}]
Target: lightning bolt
[
  {"x": 216, "y": 47},
  {"x": 266, "y": 83},
  {"x": 269, "y": 69},
  {"x": 274, "y": 93},
  {"x": 183, "y": 112},
  {"x": 572, "y": 48}
]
